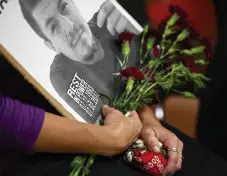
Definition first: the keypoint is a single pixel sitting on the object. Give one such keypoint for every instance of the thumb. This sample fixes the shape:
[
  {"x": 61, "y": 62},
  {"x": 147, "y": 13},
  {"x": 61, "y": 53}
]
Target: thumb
[
  {"x": 151, "y": 141},
  {"x": 106, "y": 110}
]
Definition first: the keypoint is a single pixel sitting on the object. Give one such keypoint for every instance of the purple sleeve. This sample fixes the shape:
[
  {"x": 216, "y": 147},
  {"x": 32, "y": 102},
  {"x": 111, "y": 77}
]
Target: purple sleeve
[{"x": 20, "y": 124}]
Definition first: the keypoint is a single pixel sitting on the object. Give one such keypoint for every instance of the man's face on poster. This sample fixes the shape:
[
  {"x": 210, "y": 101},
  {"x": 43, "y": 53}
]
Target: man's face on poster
[{"x": 66, "y": 30}]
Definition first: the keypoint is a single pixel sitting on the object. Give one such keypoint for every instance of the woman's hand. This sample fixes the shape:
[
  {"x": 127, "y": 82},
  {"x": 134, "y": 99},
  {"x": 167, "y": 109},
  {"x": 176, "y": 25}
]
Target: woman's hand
[
  {"x": 153, "y": 132},
  {"x": 122, "y": 130}
]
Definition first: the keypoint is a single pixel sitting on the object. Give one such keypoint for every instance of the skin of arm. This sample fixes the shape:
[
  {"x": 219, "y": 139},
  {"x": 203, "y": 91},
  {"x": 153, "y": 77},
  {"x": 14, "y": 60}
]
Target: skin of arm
[{"x": 62, "y": 135}]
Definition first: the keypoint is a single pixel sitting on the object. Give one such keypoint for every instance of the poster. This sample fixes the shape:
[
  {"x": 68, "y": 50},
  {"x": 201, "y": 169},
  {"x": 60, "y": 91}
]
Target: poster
[{"x": 69, "y": 47}]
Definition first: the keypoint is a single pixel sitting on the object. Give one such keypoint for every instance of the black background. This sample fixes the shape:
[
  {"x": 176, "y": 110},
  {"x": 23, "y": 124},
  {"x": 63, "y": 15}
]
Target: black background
[{"x": 198, "y": 160}]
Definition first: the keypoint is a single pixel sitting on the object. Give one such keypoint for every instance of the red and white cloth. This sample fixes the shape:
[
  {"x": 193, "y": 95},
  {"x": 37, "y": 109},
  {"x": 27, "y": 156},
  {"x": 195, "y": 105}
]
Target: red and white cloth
[{"x": 139, "y": 156}]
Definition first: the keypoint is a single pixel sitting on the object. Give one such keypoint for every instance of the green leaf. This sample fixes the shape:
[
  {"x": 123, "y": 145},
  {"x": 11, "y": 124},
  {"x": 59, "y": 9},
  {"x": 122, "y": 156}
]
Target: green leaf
[
  {"x": 200, "y": 76},
  {"x": 158, "y": 76},
  {"x": 201, "y": 62},
  {"x": 134, "y": 105},
  {"x": 199, "y": 80},
  {"x": 149, "y": 93},
  {"x": 188, "y": 94},
  {"x": 147, "y": 100},
  {"x": 155, "y": 63},
  {"x": 168, "y": 84},
  {"x": 167, "y": 43}
]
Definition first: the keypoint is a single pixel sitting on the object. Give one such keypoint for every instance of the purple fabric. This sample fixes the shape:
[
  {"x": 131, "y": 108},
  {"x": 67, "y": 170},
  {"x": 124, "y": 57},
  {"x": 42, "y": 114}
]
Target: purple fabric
[{"x": 20, "y": 124}]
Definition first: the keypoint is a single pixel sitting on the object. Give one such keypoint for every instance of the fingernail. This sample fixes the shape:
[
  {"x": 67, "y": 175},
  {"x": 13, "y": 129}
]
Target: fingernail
[
  {"x": 156, "y": 149},
  {"x": 105, "y": 106},
  {"x": 104, "y": 109}
]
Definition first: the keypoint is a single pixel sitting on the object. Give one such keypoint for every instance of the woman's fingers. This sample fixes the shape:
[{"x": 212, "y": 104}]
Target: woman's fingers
[
  {"x": 180, "y": 147},
  {"x": 153, "y": 144},
  {"x": 173, "y": 156}
]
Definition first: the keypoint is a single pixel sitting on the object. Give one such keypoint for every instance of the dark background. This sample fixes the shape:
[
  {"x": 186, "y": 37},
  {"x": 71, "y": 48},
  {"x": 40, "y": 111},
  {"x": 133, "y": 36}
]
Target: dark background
[{"x": 198, "y": 160}]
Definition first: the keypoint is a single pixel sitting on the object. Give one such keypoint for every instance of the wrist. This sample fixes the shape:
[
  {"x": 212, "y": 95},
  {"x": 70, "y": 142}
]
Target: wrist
[
  {"x": 105, "y": 140},
  {"x": 112, "y": 141}
]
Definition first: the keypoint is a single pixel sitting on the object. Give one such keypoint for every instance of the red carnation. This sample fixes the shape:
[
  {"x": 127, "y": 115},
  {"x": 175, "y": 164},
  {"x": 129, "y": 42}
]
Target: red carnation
[
  {"x": 132, "y": 72},
  {"x": 153, "y": 163},
  {"x": 189, "y": 62},
  {"x": 156, "y": 51},
  {"x": 208, "y": 48},
  {"x": 177, "y": 9},
  {"x": 182, "y": 22},
  {"x": 126, "y": 37}
]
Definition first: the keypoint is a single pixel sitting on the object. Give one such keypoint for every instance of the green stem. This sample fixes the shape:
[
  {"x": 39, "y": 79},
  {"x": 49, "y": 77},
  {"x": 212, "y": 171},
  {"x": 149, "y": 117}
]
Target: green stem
[
  {"x": 118, "y": 88},
  {"x": 88, "y": 165},
  {"x": 141, "y": 48},
  {"x": 168, "y": 74},
  {"x": 177, "y": 91},
  {"x": 130, "y": 96},
  {"x": 146, "y": 54},
  {"x": 138, "y": 98},
  {"x": 120, "y": 99},
  {"x": 163, "y": 56},
  {"x": 78, "y": 169},
  {"x": 149, "y": 88},
  {"x": 74, "y": 170},
  {"x": 125, "y": 60}
]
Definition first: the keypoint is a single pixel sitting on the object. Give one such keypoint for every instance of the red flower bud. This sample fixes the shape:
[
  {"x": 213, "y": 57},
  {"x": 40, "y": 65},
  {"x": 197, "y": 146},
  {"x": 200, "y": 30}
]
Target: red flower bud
[
  {"x": 133, "y": 73},
  {"x": 155, "y": 51},
  {"x": 126, "y": 37},
  {"x": 152, "y": 163}
]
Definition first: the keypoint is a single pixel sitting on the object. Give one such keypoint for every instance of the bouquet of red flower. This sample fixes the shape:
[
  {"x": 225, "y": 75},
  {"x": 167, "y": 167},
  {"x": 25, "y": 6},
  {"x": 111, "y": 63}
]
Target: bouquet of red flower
[{"x": 167, "y": 63}]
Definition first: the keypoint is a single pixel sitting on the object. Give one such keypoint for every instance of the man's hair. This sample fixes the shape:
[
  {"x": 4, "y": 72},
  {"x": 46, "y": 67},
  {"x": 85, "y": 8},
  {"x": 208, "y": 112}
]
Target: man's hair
[{"x": 27, "y": 6}]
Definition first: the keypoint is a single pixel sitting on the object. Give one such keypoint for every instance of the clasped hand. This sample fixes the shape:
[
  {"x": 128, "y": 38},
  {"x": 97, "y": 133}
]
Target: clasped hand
[{"x": 143, "y": 125}]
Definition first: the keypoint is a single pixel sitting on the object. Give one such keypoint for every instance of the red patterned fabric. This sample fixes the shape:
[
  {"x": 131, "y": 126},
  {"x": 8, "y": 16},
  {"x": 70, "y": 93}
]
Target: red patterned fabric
[{"x": 153, "y": 163}]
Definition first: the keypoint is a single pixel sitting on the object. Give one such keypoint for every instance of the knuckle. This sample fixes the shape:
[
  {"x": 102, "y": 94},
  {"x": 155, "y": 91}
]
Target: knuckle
[
  {"x": 175, "y": 159},
  {"x": 174, "y": 137},
  {"x": 146, "y": 131},
  {"x": 114, "y": 111}
]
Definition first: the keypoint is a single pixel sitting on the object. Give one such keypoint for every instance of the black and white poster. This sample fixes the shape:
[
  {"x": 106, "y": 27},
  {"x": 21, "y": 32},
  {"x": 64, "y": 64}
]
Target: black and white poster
[{"x": 69, "y": 47}]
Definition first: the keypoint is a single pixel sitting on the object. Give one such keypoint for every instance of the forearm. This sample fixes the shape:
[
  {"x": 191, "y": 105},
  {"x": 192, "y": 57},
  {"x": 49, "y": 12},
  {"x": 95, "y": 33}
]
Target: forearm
[
  {"x": 26, "y": 128},
  {"x": 63, "y": 135}
]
